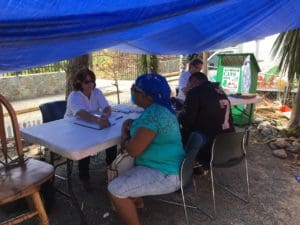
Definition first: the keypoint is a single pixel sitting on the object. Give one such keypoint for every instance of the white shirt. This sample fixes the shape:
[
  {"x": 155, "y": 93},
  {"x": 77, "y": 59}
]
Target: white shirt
[
  {"x": 183, "y": 80},
  {"x": 78, "y": 101}
]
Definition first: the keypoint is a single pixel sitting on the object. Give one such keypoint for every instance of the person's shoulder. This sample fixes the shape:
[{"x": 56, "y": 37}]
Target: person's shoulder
[
  {"x": 157, "y": 110},
  {"x": 185, "y": 73},
  {"x": 97, "y": 91},
  {"x": 74, "y": 94}
]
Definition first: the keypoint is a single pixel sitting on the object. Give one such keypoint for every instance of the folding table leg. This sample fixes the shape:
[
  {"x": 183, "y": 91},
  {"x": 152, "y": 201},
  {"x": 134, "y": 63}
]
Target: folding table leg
[
  {"x": 70, "y": 189},
  {"x": 249, "y": 124}
]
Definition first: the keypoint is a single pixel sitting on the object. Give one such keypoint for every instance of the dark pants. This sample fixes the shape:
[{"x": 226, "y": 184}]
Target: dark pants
[
  {"x": 84, "y": 164},
  {"x": 204, "y": 154}
]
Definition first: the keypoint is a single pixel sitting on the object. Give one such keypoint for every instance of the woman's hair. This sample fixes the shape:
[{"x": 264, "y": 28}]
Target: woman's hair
[
  {"x": 156, "y": 87},
  {"x": 80, "y": 77}
]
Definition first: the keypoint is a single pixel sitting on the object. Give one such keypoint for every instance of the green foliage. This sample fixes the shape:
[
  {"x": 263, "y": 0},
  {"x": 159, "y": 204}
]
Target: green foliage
[
  {"x": 142, "y": 64},
  {"x": 291, "y": 132},
  {"x": 286, "y": 48},
  {"x": 153, "y": 64},
  {"x": 102, "y": 64}
]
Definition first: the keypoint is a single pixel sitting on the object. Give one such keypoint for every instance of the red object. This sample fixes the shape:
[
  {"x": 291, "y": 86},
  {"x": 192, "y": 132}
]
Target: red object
[{"x": 285, "y": 108}]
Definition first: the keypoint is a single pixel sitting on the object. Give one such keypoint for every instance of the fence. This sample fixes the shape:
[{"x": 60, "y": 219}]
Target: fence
[
  {"x": 54, "y": 67},
  {"x": 111, "y": 65}
]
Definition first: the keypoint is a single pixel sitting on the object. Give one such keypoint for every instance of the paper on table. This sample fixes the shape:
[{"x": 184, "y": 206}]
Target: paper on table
[
  {"x": 112, "y": 119},
  {"x": 87, "y": 124},
  {"x": 127, "y": 108}
]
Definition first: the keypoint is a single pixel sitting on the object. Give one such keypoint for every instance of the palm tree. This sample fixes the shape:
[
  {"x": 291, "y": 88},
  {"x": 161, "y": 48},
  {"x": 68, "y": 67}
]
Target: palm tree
[{"x": 287, "y": 49}]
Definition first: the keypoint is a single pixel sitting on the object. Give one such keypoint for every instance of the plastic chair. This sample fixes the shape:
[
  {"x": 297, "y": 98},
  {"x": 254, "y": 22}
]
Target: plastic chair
[
  {"x": 229, "y": 150},
  {"x": 20, "y": 177},
  {"x": 53, "y": 110},
  {"x": 186, "y": 171}
]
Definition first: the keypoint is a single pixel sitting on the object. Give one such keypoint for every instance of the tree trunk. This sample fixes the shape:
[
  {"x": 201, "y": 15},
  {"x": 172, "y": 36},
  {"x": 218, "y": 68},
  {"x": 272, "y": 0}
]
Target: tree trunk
[
  {"x": 295, "y": 117},
  {"x": 153, "y": 64},
  {"x": 142, "y": 64},
  {"x": 73, "y": 66}
]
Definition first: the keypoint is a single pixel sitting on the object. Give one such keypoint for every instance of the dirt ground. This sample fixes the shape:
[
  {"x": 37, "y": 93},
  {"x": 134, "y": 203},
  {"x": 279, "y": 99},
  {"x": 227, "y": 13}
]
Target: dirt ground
[{"x": 274, "y": 197}]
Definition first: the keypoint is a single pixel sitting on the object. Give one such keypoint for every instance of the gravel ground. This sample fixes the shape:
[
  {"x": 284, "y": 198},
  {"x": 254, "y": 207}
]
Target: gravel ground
[{"x": 274, "y": 197}]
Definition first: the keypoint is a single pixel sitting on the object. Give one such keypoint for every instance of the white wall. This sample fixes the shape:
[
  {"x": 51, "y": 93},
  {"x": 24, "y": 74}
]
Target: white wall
[{"x": 262, "y": 51}]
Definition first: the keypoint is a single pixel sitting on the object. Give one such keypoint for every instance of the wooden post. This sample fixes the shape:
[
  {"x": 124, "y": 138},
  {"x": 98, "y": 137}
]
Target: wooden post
[{"x": 205, "y": 62}]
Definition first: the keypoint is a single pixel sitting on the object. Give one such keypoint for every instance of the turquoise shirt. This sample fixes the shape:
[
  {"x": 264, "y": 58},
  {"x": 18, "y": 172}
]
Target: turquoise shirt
[{"x": 165, "y": 153}]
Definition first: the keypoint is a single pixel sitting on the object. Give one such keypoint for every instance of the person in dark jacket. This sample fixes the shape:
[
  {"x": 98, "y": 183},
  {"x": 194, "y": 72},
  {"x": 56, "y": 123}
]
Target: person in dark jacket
[{"x": 206, "y": 110}]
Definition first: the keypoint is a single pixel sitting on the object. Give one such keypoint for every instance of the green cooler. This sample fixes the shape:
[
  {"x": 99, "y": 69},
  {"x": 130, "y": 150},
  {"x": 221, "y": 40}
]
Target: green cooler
[{"x": 237, "y": 74}]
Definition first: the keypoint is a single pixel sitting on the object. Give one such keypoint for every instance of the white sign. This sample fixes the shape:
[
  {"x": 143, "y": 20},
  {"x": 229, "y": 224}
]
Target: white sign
[{"x": 231, "y": 78}]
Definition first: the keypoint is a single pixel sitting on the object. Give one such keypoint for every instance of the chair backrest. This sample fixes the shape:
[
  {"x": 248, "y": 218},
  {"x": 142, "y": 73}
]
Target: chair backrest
[
  {"x": 5, "y": 144},
  {"x": 194, "y": 143},
  {"x": 228, "y": 149},
  {"x": 53, "y": 110}
]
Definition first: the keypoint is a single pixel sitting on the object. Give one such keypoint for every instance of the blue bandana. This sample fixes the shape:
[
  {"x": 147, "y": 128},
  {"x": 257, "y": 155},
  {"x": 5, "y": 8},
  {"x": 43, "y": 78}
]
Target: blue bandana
[{"x": 156, "y": 87}]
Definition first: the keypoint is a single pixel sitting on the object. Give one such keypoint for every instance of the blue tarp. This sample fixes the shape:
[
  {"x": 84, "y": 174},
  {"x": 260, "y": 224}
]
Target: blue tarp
[{"x": 36, "y": 32}]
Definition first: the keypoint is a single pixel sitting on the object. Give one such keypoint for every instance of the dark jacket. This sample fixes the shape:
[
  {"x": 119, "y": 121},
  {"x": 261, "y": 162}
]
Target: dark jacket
[{"x": 206, "y": 109}]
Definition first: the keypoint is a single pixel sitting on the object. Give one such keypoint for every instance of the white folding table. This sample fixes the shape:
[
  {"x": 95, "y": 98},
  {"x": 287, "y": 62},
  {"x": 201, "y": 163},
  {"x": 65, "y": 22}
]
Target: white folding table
[
  {"x": 75, "y": 142},
  {"x": 244, "y": 101}
]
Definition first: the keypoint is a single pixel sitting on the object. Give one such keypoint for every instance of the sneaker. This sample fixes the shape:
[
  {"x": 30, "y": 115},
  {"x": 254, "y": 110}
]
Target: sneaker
[{"x": 198, "y": 169}]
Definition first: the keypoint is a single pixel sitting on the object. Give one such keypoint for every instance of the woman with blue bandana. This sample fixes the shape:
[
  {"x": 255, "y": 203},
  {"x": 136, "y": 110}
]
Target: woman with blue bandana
[{"x": 156, "y": 145}]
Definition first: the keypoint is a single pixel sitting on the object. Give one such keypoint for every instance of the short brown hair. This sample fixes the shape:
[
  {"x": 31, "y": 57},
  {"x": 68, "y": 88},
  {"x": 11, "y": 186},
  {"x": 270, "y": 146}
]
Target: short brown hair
[{"x": 80, "y": 77}]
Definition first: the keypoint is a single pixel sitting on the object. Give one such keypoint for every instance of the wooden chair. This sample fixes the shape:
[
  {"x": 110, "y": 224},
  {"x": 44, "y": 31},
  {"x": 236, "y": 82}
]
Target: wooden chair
[{"x": 20, "y": 177}]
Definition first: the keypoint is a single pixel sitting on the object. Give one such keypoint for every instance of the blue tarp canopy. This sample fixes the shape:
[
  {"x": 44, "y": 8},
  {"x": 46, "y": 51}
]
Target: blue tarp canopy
[{"x": 37, "y": 32}]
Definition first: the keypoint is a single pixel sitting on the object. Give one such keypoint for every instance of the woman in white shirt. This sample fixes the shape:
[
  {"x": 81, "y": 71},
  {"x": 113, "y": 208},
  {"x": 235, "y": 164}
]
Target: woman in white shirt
[{"x": 82, "y": 102}]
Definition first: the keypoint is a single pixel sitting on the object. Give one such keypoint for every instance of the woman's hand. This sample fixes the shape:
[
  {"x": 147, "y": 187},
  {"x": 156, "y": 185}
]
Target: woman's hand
[
  {"x": 103, "y": 121},
  {"x": 125, "y": 132},
  {"x": 126, "y": 127}
]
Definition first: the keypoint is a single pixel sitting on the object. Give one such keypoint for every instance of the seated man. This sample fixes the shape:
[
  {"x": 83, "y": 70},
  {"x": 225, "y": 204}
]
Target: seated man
[
  {"x": 194, "y": 66},
  {"x": 207, "y": 110}
]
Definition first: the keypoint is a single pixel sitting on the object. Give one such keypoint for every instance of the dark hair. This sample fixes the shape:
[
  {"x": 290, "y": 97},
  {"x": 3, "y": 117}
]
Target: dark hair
[
  {"x": 195, "y": 62},
  {"x": 80, "y": 77},
  {"x": 199, "y": 76}
]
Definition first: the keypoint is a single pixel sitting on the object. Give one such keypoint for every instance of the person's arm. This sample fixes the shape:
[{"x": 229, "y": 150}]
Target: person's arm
[
  {"x": 182, "y": 81},
  {"x": 139, "y": 142},
  {"x": 106, "y": 112},
  {"x": 84, "y": 115},
  {"x": 125, "y": 133}
]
